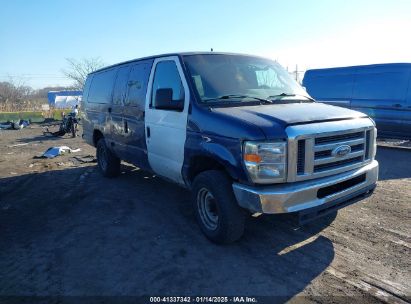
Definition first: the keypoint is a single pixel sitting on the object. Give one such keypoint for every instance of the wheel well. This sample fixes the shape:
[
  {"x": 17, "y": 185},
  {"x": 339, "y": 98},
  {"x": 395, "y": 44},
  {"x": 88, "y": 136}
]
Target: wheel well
[
  {"x": 96, "y": 136},
  {"x": 200, "y": 164}
]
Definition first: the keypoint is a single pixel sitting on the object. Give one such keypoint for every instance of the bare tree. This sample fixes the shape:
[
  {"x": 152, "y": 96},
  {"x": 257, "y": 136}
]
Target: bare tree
[
  {"x": 79, "y": 69},
  {"x": 14, "y": 94}
]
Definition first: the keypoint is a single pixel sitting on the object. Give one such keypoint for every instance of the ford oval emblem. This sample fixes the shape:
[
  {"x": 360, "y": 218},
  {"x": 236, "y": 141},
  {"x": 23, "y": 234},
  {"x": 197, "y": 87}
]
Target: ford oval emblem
[{"x": 341, "y": 151}]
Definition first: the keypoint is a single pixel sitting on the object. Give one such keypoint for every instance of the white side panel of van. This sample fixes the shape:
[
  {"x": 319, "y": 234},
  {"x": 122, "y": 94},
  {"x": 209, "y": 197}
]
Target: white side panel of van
[{"x": 165, "y": 143}]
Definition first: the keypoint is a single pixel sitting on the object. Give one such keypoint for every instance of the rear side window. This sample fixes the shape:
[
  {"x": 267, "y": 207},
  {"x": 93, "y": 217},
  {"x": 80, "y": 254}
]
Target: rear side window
[
  {"x": 102, "y": 87},
  {"x": 137, "y": 84},
  {"x": 390, "y": 85},
  {"x": 87, "y": 87},
  {"x": 120, "y": 87}
]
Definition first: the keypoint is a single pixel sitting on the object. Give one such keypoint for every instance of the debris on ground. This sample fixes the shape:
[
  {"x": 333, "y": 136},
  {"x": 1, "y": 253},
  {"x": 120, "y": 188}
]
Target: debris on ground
[
  {"x": 84, "y": 159},
  {"x": 15, "y": 126},
  {"x": 61, "y": 164},
  {"x": 17, "y": 145},
  {"x": 24, "y": 124},
  {"x": 47, "y": 132},
  {"x": 56, "y": 151},
  {"x": 5, "y": 126}
]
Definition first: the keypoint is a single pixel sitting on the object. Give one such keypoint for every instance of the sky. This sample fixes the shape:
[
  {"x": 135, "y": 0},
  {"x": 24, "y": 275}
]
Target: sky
[{"x": 36, "y": 37}]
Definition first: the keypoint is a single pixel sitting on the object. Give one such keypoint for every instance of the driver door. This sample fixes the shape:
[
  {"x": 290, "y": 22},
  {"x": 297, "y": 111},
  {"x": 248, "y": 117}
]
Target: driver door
[{"x": 166, "y": 127}]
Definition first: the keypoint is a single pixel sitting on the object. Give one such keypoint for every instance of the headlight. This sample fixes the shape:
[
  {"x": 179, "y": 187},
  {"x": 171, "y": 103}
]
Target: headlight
[{"x": 266, "y": 162}]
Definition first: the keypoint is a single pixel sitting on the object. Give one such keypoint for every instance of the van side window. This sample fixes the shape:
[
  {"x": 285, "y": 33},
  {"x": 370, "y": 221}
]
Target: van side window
[
  {"x": 167, "y": 77},
  {"x": 137, "y": 85},
  {"x": 121, "y": 85},
  {"x": 101, "y": 87}
]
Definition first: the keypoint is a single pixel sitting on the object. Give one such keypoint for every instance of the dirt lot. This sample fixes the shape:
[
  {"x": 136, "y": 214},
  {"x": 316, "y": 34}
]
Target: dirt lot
[{"x": 67, "y": 231}]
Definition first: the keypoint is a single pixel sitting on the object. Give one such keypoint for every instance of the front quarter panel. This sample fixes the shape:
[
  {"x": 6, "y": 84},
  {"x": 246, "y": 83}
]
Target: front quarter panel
[{"x": 224, "y": 151}]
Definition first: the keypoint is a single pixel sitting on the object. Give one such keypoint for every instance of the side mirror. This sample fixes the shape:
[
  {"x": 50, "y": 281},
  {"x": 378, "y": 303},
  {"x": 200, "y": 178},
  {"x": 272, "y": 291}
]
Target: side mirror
[{"x": 164, "y": 100}]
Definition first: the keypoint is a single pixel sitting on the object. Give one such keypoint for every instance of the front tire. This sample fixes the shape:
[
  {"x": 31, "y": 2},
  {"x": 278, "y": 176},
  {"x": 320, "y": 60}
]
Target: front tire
[
  {"x": 108, "y": 163},
  {"x": 220, "y": 217}
]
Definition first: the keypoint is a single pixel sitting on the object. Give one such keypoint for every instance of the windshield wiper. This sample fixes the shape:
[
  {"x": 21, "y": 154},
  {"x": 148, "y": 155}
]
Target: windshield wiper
[
  {"x": 230, "y": 96},
  {"x": 289, "y": 95}
]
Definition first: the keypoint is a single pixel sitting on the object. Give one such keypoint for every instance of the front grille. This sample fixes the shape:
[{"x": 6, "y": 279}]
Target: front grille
[
  {"x": 367, "y": 144},
  {"x": 337, "y": 164},
  {"x": 301, "y": 157},
  {"x": 321, "y": 154},
  {"x": 338, "y": 138},
  {"x": 357, "y": 148},
  {"x": 338, "y": 151}
]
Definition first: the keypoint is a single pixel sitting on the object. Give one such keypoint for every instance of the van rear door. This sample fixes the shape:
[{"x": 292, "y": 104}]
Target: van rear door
[{"x": 99, "y": 99}]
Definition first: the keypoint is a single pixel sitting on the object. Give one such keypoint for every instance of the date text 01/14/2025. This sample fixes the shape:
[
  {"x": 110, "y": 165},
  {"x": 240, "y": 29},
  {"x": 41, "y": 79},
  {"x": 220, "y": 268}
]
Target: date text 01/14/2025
[{"x": 203, "y": 299}]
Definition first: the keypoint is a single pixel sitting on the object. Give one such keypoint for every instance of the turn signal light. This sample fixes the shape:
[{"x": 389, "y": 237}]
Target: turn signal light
[{"x": 254, "y": 158}]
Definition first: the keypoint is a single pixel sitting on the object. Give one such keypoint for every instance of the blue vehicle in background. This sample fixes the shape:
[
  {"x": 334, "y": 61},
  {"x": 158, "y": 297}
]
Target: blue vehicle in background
[{"x": 382, "y": 91}]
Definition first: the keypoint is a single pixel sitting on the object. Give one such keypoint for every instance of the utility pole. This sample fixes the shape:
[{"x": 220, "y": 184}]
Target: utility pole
[{"x": 296, "y": 72}]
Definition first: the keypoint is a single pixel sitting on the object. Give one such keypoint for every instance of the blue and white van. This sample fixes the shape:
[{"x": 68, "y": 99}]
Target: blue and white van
[
  {"x": 382, "y": 91},
  {"x": 236, "y": 130}
]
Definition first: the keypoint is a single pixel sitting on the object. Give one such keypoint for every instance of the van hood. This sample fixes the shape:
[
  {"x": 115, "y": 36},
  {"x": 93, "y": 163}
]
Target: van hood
[{"x": 270, "y": 117}]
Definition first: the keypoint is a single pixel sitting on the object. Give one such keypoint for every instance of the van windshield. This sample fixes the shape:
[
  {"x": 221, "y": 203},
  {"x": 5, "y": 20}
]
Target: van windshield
[{"x": 220, "y": 78}]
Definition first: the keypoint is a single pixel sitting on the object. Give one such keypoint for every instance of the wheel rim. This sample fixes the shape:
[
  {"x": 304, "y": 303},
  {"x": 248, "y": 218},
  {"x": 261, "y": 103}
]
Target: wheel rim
[
  {"x": 102, "y": 159},
  {"x": 207, "y": 208}
]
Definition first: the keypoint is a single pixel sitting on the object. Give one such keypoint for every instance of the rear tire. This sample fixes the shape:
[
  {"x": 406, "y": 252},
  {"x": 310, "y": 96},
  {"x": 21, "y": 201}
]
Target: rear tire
[
  {"x": 220, "y": 217},
  {"x": 108, "y": 162}
]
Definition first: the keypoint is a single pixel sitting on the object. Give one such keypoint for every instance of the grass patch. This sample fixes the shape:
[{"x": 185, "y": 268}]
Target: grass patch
[
  {"x": 57, "y": 113},
  {"x": 33, "y": 116},
  {"x": 16, "y": 116}
]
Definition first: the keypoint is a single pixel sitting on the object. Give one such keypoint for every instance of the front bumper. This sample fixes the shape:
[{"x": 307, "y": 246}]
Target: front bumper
[{"x": 297, "y": 196}]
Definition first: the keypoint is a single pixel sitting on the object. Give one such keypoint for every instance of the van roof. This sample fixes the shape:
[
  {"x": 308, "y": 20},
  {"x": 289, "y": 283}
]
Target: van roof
[
  {"x": 172, "y": 54},
  {"x": 380, "y": 66}
]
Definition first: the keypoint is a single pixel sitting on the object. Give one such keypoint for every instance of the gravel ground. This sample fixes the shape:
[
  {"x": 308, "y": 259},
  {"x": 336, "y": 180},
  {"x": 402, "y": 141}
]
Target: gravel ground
[{"x": 67, "y": 231}]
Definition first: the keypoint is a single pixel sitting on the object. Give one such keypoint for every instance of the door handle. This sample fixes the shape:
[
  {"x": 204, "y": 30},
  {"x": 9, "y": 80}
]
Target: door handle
[
  {"x": 125, "y": 126},
  {"x": 109, "y": 109},
  {"x": 148, "y": 132},
  {"x": 398, "y": 105}
]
